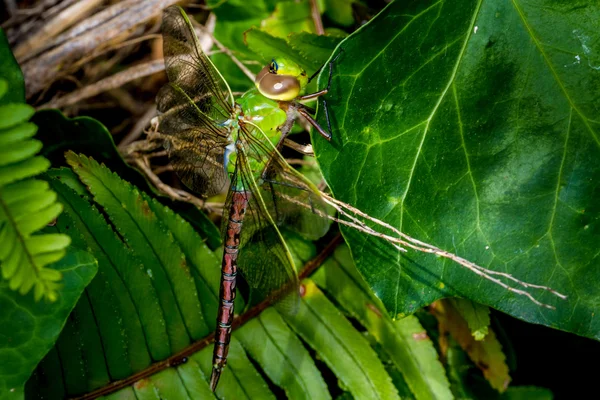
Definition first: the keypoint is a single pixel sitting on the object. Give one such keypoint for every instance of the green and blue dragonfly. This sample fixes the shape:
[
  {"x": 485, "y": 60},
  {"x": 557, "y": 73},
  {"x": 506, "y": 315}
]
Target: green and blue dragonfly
[{"x": 214, "y": 140}]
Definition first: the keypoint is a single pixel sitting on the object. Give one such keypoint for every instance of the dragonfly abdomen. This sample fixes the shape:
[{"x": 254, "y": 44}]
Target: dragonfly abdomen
[{"x": 235, "y": 220}]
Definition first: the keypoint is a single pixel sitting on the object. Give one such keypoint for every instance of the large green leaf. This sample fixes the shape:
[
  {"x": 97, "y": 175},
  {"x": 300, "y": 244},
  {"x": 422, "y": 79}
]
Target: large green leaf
[
  {"x": 473, "y": 125},
  {"x": 29, "y": 328}
]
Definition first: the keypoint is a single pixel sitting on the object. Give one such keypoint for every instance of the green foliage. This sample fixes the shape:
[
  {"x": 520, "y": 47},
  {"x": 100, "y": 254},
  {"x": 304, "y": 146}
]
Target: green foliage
[
  {"x": 417, "y": 360},
  {"x": 155, "y": 293},
  {"x": 10, "y": 74},
  {"x": 269, "y": 28},
  {"x": 473, "y": 126},
  {"x": 26, "y": 206},
  {"x": 454, "y": 177},
  {"x": 29, "y": 328}
]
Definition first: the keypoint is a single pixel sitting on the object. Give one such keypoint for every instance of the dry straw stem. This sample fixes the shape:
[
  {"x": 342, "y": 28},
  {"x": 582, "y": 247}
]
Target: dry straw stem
[
  {"x": 40, "y": 71},
  {"x": 39, "y": 40},
  {"x": 112, "y": 82},
  {"x": 138, "y": 128},
  {"x": 402, "y": 241},
  {"x": 117, "y": 80}
]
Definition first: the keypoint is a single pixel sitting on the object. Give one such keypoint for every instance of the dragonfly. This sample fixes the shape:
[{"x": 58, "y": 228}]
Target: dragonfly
[{"x": 215, "y": 141}]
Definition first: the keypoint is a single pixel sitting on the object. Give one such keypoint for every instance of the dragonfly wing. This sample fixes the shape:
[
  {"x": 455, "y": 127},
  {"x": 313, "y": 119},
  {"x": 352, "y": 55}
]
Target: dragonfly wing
[
  {"x": 195, "y": 144},
  {"x": 190, "y": 69},
  {"x": 290, "y": 198},
  {"x": 264, "y": 258}
]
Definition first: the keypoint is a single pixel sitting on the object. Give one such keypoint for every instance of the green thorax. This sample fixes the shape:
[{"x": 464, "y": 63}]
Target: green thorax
[{"x": 266, "y": 115}]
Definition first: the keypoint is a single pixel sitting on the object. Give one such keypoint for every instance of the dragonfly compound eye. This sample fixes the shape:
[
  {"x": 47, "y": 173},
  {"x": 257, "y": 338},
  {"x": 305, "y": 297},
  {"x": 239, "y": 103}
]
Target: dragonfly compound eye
[
  {"x": 273, "y": 67},
  {"x": 277, "y": 87}
]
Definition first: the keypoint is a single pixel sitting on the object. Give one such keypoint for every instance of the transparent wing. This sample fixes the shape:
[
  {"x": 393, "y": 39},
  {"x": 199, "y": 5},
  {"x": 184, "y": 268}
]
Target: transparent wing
[
  {"x": 196, "y": 146},
  {"x": 190, "y": 69},
  {"x": 290, "y": 198},
  {"x": 284, "y": 198},
  {"x": 193, "y": 106}
]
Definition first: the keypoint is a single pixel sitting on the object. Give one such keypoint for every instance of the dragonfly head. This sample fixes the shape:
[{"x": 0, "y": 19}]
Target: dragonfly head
[{"x": 282, "y": 80}]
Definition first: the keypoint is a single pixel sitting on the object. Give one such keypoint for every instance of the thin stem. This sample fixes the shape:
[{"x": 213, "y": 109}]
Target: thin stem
[{"x": 316, "y": 17}]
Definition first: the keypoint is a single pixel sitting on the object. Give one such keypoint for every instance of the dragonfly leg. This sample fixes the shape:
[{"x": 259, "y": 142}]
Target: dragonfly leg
[
  {"x": 330, "y": 68},
  {"x": 303, "y": 110},
  {"x": 315, "y": 124},
  {"x": 320, "y": 93}
]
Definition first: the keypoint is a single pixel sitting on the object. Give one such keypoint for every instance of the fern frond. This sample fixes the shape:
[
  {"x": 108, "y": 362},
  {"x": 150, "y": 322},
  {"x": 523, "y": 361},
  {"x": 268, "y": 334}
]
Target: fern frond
[{"x": 26, "y": 206}]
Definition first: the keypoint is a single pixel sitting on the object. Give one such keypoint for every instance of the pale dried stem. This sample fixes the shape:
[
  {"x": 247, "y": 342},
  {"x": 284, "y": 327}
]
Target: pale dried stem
[
  {"x": 112, "y": 82},
  {"x": 418, "y": 245},
  {"x": 11, "y": 7},
  {"x": 126, "y": 43},
  {"x": 42, "y": 70},
  {"x": 225, "y": 50},
  {"x": 400, "y": 244},
  {"x": 138, "y": 128},
  {"x": 36, "y": 42},
  {"x": 176, "y": 194},
  {"x": 300, "y": 148}
]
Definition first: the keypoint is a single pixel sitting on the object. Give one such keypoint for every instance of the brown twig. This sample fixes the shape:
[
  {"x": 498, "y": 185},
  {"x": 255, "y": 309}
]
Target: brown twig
[
  {"x": 305, "y": 149},
  {"x": 175, "y": 194},
  {"x": 35, "y": 42},
  {"x": 11, "y": 7},
  {"x": 239, "y": 321},
  {"x": 40, "y": 71},
  {"x": 316, "y": 17},
  {"x": 138, "y": 128},
  {"x": 112, "y": 82}
]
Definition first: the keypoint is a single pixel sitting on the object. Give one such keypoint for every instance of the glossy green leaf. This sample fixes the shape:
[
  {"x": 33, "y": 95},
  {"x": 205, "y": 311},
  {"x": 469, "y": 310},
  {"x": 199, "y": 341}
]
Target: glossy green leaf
[
  {"x": 340, "y": 11},
  {"x": 153, "y": 244},
  {"x": 289, "y": 16},
  {"x": 315, "y": 49},
  {"x": 29, "y": 328},
  {"x": 11, "y": 74},
  {"x": 486, "y": 354},
  {"x": 240, "y": 380},
  {"x": 234, "y": 17},
  {"x": 344, "y": 350},
  {"x": 270, "y": 342},
  {"x": 473, "y": 126},
  {"x": 120, "y": 326},
  {"x": 122, "y": 278},
  {"x": 405, "y": 341},
  {"x": 194, "y": 379},
  {"x": 268, "y": 47},
  {"x": 166, "y": 384}
]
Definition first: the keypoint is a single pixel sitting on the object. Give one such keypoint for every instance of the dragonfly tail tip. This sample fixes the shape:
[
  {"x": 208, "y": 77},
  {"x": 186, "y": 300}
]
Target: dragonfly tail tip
[{"x": 214, "y": 379}]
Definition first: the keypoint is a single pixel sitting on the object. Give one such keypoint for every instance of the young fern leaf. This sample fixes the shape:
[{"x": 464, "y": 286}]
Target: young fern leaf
[{"x": 26, "y": 206}]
